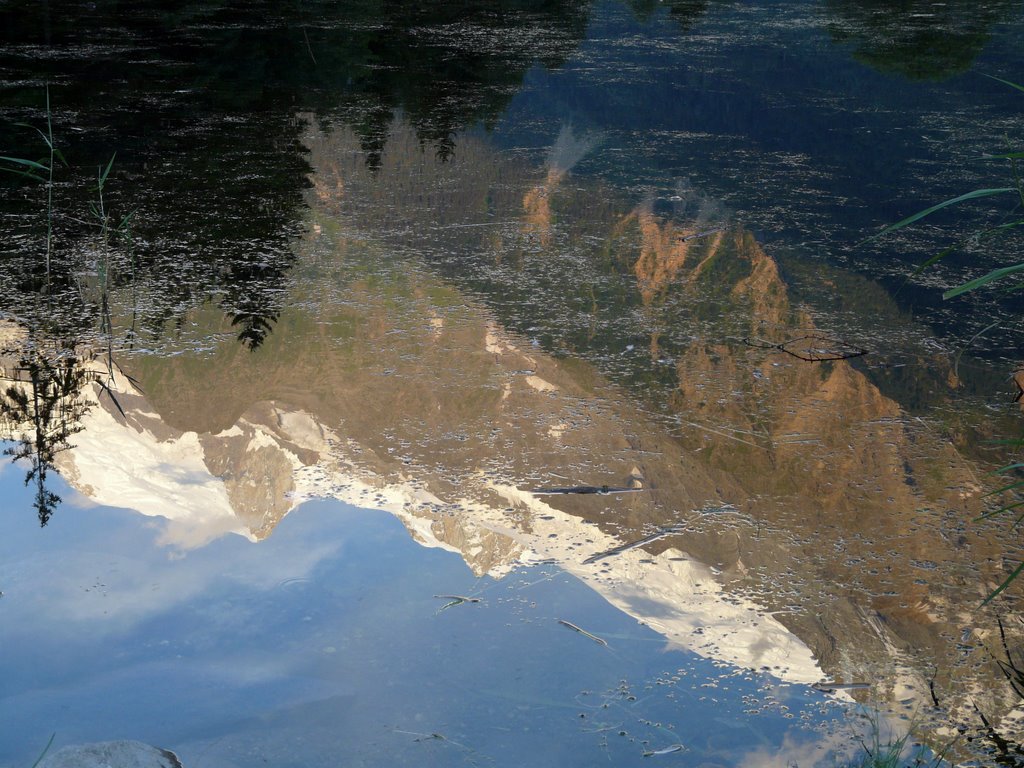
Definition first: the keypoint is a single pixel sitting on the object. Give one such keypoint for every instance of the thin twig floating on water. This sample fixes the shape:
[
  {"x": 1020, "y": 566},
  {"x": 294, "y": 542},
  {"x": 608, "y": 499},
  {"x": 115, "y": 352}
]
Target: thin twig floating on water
[
  {"x": 724, "y": 434},
  {"x": 455, "y": 600},
  {"x": 480, "y": 224},
  {"x": 832, "y": 687},
  {"x": 665, "y": 751},
  {"x": 595, "y": 638},
  {"x": 432, "y": 737},
  {"x": 817, "y": 349},
  {"x": 705, "y": 233},
  {"x": 659, "y": 534},
  {"x": 603, "y": 490}
]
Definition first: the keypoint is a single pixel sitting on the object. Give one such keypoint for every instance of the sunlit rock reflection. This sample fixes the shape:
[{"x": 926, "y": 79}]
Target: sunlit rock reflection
[{"x": 568, "y": 150}]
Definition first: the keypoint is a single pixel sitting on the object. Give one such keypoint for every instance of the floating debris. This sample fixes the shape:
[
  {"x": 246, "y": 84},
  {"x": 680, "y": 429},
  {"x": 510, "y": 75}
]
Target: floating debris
[
  {"x": 719, "y": 509},
  {"x": 832, "y": 687},
  {"x": 455, "y": 600},
  {"x": 603, "y": 490},
  {"x": 432, "y": 736},
  {"x": 812, "y": 348},
  {"x": 705, "y": 233},
  {"x": 665, "y": 751},
  {"x": 659, "y": 534},
  {"x": 595, "y": 638}
]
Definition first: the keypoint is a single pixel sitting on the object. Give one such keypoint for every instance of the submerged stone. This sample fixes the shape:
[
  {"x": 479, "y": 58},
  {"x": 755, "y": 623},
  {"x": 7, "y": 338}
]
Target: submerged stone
[{"x": 111, "y": 754}]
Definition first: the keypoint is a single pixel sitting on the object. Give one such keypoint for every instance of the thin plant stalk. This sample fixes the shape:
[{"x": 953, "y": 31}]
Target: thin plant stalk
[
  {"x": 45, "y": 750},
  {"x": 49, "y": 191}
]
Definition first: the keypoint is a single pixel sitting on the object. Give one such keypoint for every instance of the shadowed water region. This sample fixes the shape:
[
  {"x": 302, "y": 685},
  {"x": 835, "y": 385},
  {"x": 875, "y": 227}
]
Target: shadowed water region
[{"x": 504, "y": 383}]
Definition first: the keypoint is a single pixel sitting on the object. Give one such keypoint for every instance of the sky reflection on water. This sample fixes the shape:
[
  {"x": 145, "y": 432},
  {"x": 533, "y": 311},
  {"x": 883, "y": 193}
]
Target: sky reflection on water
[{"x": 324, "y": 643}]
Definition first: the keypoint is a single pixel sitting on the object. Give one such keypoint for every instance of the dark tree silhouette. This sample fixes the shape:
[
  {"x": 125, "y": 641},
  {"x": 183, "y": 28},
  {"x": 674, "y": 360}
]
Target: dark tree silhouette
[{"x": 42, "y": 406}]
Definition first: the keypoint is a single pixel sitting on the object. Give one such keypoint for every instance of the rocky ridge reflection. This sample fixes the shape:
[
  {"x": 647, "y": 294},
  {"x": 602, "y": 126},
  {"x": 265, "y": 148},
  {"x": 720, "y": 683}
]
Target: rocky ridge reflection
[
  {"x": 826, "y": 511},
  {"x": 860, "y": 532},
  {"x": 423, "y": 462}
]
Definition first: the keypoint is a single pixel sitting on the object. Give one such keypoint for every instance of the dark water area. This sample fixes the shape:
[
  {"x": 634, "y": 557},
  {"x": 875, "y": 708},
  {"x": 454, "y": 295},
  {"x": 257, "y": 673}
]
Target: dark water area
[{"x": 301, "y": 263}]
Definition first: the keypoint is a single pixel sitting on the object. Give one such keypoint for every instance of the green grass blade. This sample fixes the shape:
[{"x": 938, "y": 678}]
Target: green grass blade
[
  {"x": 1004, "y": 489},
  {"x": 106, "y": 172},
  {"x": 1005, "y": 584},
  {"x": 1002, "y": 227},
  {"x": 1006, "y": 82},
  {"x": 1015, "y": 441},
  {"x": 983, "y": 235},
  {"x": 983, "y": 280},
  {"x": 1007, "y": 468},
  {"x": 938, "y": 257},
  {"x": 945, "y": 204},
  {"x": 46, "y": 139},
  {"x": 1005, "y": 156},
  {"x": 996, "y": 512},
  {"x": 29, "y": 163}
]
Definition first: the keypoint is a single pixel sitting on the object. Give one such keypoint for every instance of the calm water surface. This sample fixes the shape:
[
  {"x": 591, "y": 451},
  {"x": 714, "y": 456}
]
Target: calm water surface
[{"x": 389, "y": 272}]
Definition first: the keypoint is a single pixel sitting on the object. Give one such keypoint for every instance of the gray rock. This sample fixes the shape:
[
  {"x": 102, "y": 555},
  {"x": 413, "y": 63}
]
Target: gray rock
[{"x": 111, "y": 754}]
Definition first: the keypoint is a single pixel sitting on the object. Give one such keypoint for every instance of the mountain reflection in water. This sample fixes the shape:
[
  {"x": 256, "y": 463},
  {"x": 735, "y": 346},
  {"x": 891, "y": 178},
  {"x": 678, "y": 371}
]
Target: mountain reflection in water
[
  {"x": 438, "y": 318},
  {"x": 848, "y": 550},
  {"x": 834, "y": 476}
]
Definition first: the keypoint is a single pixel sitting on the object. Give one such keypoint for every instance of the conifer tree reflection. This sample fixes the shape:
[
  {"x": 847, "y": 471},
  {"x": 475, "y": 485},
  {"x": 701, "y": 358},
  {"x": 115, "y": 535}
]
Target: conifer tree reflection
[
  {"x": 685, "y": 13},
  {"x": 41, "y": 407},
  {"x": 254, "y": 299}
]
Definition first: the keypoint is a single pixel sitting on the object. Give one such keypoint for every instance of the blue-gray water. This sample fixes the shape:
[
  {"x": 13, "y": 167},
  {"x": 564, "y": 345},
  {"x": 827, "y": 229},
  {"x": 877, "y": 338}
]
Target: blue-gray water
[{"x": 324, "y": 644}]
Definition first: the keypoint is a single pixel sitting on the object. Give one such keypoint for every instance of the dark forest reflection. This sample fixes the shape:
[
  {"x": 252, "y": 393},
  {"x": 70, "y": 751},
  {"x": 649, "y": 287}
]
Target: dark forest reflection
[
  {"x": 212, "y": 168},
  {"x": 685, "y": 13},
  {"x": 917, "y": 39}
]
